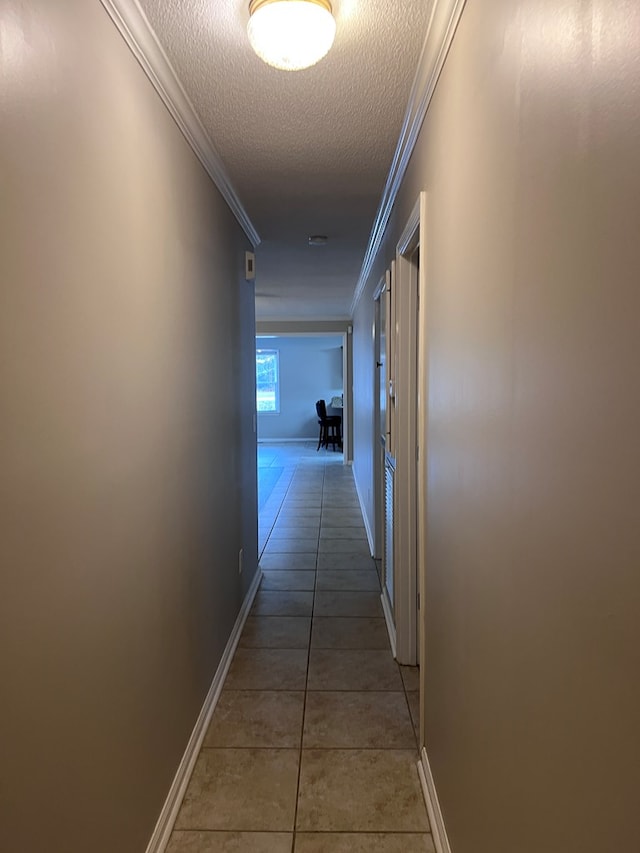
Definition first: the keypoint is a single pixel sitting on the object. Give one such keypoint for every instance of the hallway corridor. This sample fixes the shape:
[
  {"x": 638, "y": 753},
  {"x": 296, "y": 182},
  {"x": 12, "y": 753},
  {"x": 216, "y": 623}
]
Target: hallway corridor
[{"x": 312, "y": 747}]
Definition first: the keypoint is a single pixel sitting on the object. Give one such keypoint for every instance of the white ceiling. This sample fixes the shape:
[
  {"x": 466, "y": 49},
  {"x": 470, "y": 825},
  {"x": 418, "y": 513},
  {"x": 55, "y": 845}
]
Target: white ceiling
[{"x": 307, "y": 152}]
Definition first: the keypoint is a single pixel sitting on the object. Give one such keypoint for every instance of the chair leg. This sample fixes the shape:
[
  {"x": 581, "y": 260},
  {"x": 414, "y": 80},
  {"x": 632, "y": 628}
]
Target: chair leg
[{"x": 320, "y": 438}]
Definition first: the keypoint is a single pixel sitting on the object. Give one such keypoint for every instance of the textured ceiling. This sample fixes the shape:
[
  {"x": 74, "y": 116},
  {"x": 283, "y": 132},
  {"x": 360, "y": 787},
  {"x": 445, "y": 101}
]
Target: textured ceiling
[{"x": 307, "y": 152}]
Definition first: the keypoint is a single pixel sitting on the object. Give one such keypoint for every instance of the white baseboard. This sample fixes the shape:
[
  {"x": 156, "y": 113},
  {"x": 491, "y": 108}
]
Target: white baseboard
[
  {"x": 367, "y": 527},
  {"x": 388, "y": 618},
  {"x": 286, "y": 440},
  {"x": 169, "y": 813},
  {"x": 436, "y": 820}
]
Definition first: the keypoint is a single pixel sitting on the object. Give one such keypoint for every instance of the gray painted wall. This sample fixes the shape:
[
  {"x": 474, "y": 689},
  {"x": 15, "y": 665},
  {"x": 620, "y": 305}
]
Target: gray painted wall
[
  {"x": 310, "y": 369},
  {"x": 530, "y": 157},
  {"x": 126, "y": 491}
]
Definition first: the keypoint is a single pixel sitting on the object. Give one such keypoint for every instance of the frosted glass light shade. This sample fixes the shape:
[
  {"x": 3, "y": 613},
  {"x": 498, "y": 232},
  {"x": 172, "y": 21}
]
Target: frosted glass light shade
[{"x": 291, "y": 34}]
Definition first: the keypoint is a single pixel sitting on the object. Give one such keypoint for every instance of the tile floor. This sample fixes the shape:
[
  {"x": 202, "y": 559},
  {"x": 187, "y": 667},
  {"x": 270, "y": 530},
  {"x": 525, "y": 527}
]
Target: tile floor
[{"x": 312, "y": 746}]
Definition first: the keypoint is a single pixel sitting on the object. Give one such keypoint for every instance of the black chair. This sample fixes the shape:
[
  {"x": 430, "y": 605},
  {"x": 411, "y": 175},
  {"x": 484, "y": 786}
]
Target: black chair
[{"x": 330, "y": 427}]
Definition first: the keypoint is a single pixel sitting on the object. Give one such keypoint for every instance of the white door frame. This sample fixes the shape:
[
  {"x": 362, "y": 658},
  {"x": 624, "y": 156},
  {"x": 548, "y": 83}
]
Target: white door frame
[
  {"x": 410, "y": 414},
  {"x": 379, "y": 300},
  {"x": 382, "y": 442}
]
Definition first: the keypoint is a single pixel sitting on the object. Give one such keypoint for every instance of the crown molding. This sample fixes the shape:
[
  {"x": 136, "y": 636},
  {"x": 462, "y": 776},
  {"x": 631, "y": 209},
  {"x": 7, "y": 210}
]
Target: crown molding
[
  {"x": 445, "y": 17},
  {"x": 139, "y": 36}
]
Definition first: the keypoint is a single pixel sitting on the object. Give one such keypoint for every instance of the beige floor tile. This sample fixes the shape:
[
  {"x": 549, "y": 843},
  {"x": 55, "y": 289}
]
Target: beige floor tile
[
  {"x": 278, "y": 580},
  {"x": 276, "y": 632},
  {"x": 336, "y": 603},
  {"x": 344, "y": 546},
  {"x": 300, "y": 531},
  {"x": 344, "y": 579},
  {"x": 360, "y": 842},
  {"x": 343, "y": 533},
  {"x": 341, "y": 518},
  {"x": 188, "y": 841},
  {"x": 286, "y": 562},
  {"x": 340, "y": 515},
  {"x": 240, "y": 790},
  {"x": 267, "y": 669},
  {"x": 331, "y": 669},
  {"x": 360, "y": 791},
  {"x": 410, "y": 677},
  {"x": 348, "y": 562},
  {"x": 254, "y": 718},
  {"x": 370, "y": 720},
  {"x": 292, "y": 546},
  {"x": 302, "y": 515},
  {"x": 282, "y": 603},
  {"x": 335, "y": 632}
]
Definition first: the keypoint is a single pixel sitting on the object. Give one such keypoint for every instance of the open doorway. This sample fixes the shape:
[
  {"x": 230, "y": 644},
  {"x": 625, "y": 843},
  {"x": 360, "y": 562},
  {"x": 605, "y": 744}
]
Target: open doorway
[
  {"x": 293, "y": 371},
  {"x": 297, "y": 371}
]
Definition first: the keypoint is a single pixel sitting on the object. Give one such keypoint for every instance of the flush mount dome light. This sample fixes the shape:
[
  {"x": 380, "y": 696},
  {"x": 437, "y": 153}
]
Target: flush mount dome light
[{"x": 291, "y": 34}]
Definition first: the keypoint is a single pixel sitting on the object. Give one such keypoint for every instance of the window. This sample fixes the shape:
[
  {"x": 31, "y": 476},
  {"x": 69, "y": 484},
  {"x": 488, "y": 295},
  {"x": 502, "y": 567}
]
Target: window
[{"x": 267, "y": 380}]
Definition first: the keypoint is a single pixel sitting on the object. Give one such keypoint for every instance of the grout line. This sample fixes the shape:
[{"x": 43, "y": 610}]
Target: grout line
[
  {"x": 327, "y": 476},
  {"x": 306, "y": 683}
]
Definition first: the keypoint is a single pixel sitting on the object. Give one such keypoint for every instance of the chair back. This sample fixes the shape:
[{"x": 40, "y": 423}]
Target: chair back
[{"x": 321, "y": 409}]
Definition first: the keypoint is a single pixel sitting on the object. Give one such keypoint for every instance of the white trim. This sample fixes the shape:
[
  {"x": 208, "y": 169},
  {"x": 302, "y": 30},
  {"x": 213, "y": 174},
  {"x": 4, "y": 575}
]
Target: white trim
[
  {"x": 382, "y": 286},
  {"x": 365, "y": 520},
  {"x": 406, "y": 485},
  {"x": 438, "y": 830},
  {"x": 380, "y": 299},
  {"x": 169, "y": 813},
  {"x": 392, "y": 352},
  {"x": 312, "y": 439},
  {"x": 267, "y": 329},
  {"x": 423, "y": 445},
  {"x": 411, "y": 228},
  {"x": 135, "y": 29},
  {"x": 442, "y": 27},
  {"x": 388, "y": 618}
]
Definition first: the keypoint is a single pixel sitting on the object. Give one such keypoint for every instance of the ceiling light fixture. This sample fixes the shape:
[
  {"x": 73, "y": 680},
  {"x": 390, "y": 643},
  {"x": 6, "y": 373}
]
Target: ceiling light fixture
[{"x": 291, "y": 34}]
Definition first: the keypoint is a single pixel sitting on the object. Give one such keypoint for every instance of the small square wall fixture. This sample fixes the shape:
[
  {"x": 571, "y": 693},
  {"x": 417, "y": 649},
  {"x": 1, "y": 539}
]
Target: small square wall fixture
[{"x": 291, "y": 34}]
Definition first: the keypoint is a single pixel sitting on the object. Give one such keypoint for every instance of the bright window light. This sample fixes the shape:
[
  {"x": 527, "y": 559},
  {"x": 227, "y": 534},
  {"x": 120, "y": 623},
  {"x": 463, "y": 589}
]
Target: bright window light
[{"x": 267, "y": 380}]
